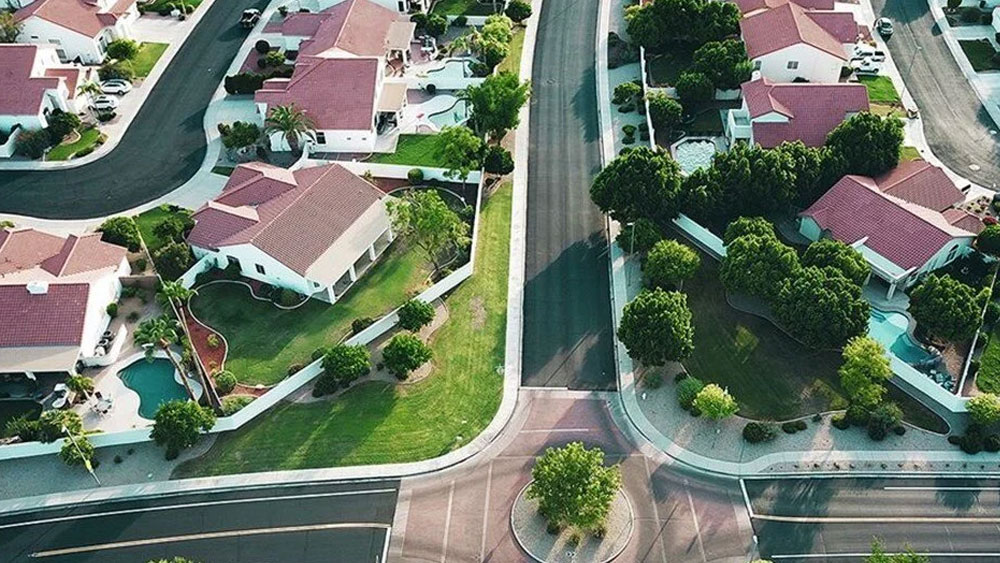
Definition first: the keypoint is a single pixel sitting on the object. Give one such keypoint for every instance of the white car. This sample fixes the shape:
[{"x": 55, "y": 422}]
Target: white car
[
  {"x": 862, "y": 52},
  {"x": 884, "y": 27},
  {"x": 866, "y": 66},
  {"x": 116, "y": 86},
  {"x": 105, "y": 102}
]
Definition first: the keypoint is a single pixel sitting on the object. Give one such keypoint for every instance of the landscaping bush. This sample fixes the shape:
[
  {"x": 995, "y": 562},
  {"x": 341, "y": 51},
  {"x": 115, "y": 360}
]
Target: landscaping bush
[
  {"x": 885, "y": 417},
  {"x": 345, "y": 364},
  {"x": 244, "y": 83},
  {"x": 172, "y": 260},
  {"x": 628, "y": 129},
  {"x": 757, "y": 432},
  {"x": 793, "y": 426},
  {"x": 121, "y": 70},
  {"x": 286, "y": 297},
  {"x": 460, "y": 21},
  {"x": 233, "y": 405},
  {"x": 436, "y": 25},
  {"x": 32, "y": 143},
  {"x": 840, "y": 421},
  {"x": 626, "y": 92},
  {"x": 179, "y": 424},
  {"x": 28, "y": 430},
  {"x": 295, "y": 367},
  {"x": 972, "y": 443},
  {"x": 992, "y": 443},
  {"x": 857, "y": 415},
  {"x": 404, "y": 353},
  {"x": 121, "y": 231},
  {"x": 415, "y": 176},
  {"x": 262, "y": 47},
  {"x": 694, "y": 88},
  {"x": 61, "y": 123},
  {"x": 518, "y": 10},
  {"x": 415, "y": 314},
  {"x": 123, "y": 49},
  {"x": 225, "y": 382},
  {"x": 640, "y": 236},
  {"x": 112, "y": 310},
  {"x": 105, "y": 116},
  {"x": 899, "y": 430},
  {"x": 687, "y": 389},
  {"x": 498, "y": 160},
  {"x": 357, "y": 325},
  {"x": 271, "y": 59}
]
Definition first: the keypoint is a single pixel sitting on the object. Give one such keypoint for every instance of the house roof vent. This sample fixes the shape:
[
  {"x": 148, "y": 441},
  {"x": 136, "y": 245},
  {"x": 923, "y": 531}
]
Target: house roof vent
[{"x": 38, "y": 287}]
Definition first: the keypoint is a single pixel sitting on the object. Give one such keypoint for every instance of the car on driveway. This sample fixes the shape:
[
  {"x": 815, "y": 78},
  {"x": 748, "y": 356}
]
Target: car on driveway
[
  {"x": 862, "y": 52},
  {"x": 105, "y": 102},
  {"x": 884, "y": 27},
  {"x": 116, "y": 86}
]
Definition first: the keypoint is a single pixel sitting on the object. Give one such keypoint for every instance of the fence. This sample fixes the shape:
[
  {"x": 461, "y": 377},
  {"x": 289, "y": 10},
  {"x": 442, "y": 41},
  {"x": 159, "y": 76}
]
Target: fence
[{"x": 400, "y": 171}]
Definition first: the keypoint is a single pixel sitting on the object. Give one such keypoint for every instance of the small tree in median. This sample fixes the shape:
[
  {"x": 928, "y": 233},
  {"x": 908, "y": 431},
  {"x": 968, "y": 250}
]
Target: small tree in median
[
  {"x": 178, "y": 425},
  {"x": 656, "y": 327},
  {"x": 668, "y": 264},
  {"x": 415, "y": 314},
  {"x": 427, "y": 221},
  {"x": 404, "y": 353},
  {"x": 715, "y": 403},
  {"x": 573, "y": 487}
]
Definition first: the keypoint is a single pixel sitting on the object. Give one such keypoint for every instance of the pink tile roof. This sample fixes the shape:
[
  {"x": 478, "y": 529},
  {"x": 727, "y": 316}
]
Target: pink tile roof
[
  {"x": 922, "y": 183},
  {"x": 21, "y": 93},
  {"x": 338, "y": 94},
  {"x": 754, "y": 5},
  {"x": 908, "y": 235},
  {"x": 964, "y": 220},
  {"x": 71, "y": 75},
  {"x": 82, "y": 16},
  {"x": 297, "y": 222},
  {"x": 788, "y": 25},
  {"x": 27, "y": 249},
  {"x": 813, "y": 110},
  {"x": 359, "y": 27},
  {"x": 54, "y": 318}
]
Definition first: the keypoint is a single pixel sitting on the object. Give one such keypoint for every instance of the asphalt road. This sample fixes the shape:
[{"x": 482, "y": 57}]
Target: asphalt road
[
  {"x": 305, "y": 524},
  {"x": 956, "y": 124},
  {"x": 567, "y": 315},
  {"x": 949, "y": 519},
  {"x": 163, "y": 147}
]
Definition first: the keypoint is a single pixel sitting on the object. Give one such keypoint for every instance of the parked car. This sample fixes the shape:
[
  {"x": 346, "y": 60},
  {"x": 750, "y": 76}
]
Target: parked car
[
  {"x": 250, "y": 17},
  {"x": 862, "y": 52},
  {"x": 866, "y": 66},
  {"x": 105, "y": 102},
  {"x": 884, "y": 27},
  {"x": 116, "y": 86}
]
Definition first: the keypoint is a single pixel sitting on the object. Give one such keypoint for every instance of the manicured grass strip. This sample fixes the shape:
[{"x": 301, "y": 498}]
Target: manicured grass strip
[
  {"x": 414, "y": 150},
  {"x": 380, "y": 423},
  {"x": 147, "y": 222},
  {"x": 988, "y": 378},
  {"x": 466, "y": 7},
  {"x": 880, "y": 89},
  {"x": 981, "y": 54},
  {"x": 907, "y": 154},
  {"x": 149, "y": 53},
  {"x": 513, "y": 61},
  {"x": 264, "y": 340},
  {"x": 88, "y": 138},
  {"x": 156, "y": 5}
]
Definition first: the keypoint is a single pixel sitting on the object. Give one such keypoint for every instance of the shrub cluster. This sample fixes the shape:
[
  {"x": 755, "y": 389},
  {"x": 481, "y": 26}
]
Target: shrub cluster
[{"x": 757, "y": 432}]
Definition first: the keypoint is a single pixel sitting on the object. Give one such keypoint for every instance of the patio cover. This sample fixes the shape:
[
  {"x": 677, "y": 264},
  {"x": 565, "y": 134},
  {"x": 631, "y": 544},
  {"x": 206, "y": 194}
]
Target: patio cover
[
  {"x": 393, "y": 97},
  {"x": 38, "y": 359},
  {"x": 399, "y": 35}
]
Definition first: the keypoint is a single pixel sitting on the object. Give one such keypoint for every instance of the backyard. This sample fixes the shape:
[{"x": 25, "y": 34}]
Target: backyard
[
  {"x": 413, "y": 150},
  {"x": 144, "y": 62},
  {"x": 988, "y": 377},
  {"x": 771, "y": 375},
  {"x": 664, "y": 68},
  {"x": 466, "y": 7},
  {"x": 377, "y": 422},
  {"x": 265, "y": 341},
  {"x": 981, "y": 54},
  {"x": 147, "y": 222}
]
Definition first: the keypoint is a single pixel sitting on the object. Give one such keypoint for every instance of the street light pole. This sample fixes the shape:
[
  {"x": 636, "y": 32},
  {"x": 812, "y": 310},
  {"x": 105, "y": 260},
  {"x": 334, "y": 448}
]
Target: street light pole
[{"x": 86, "y": 460}]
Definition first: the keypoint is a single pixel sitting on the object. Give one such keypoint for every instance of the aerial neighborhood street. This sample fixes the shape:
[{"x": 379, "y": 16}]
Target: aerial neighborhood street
[{"x": 499, "y": 280}]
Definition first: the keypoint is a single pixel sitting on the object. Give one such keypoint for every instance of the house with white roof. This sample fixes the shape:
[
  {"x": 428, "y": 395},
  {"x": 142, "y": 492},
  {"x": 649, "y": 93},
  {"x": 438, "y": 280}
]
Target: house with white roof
[
  {"x": 313, "y": 230},
  {"x": 790, "y": 43},
  {"x": 54, "y": 294},
  {"x": 80, "y": 30},
  {"x": 902, "y": 222},
  {"x": 34, "y": 85},
  {"x": 773, "y": 113}
]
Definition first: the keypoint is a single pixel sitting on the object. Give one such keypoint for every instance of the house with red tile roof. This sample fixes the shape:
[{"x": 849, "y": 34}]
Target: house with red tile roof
[
  {"x": 401, "y": 6},
  {"x": 54, "y": 294},
  {"x": 750, "y": 7},
  {"x": 34, "y": 84},
  {"x": 901, "y": 240},
  {"x": 773, "y": 113},
  {"x": 790, "y": 43},
  {"x": 80, "y": 30},
  {"x": 313, "y": 230}
]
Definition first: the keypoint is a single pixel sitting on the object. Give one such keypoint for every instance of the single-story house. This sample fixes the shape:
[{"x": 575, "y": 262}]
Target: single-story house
[
  {"x": 80, "y": 30},
  {"x": 792, "y": 44},
  {"x": 901, "y": 240},
  {"x": 773, "y": 113},
  {"x": 54, "y": 294},
  {"x": 750, "y": 7},
  {"x": 401, "y": 6},
  {"x": 920, "y": 182},
  {"x": 313, "y": 230},
  {"x": 34, "y": 84}
]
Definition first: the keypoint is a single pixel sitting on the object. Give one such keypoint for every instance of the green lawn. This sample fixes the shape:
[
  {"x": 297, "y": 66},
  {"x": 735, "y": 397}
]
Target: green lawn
[
  {"x": 88, "y": 138},
  {"x": 465, "y": 7},
  {"x": 380, "y": 423},
  {"x": 907, "y": 154},
  {"x": 880, "y": 89},
  {"x": 264, "y": 340},
  {"x": 513, "y": 61},
  {"x": 149, "y": 53},
  {"x": 664, "y": 68},
  {"x": 147, "y": 222},
  {"x": 707, "y": 122},
  {"x": 988, "y": 378},
  {"x": 414, "y": 150},
  {"x": 980, "y": 53}
]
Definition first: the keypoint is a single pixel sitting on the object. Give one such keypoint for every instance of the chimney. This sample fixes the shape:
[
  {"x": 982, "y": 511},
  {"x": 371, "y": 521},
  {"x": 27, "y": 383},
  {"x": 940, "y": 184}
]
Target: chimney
[{"x": 38, "y": 287}]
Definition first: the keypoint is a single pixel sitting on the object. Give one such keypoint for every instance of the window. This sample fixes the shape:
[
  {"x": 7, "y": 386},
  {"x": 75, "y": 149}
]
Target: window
[
  {"x": 951, "y": 254},
  {"x": 320, "y": 138},
  {"x": 792, "y": 65},
  {"x": 260, "y": 270}
]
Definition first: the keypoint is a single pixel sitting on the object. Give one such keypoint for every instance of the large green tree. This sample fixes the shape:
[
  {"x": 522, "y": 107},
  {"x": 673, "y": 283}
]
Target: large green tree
[
  {"x": 415, "y": 314},
  {"x": 496, "y": 103},
  {"x": 178, "y": 425},
  {"x": 665, "y": 112},
  {"x": 343, "y": 364},
  {"x": 753, "y": 180},
  {"x": 810, "y": 165},
  {"x": 404, "y": 353},
  {"x": 988, "y": 240},
  {"x": 821, "y": 307},
  {"x": 427, "y": 221},
  {"x": 984, "y": 409},
  {"x": 574, "y": 487},
  {"x": 121, "y": 231},
  {"x": 866, "y": 144},
  {"x": 694, "y": 88},
  {"x": 656, "y": 327},
  {"x": 658, "y": 24},
  {"x": 724, "y": 63},
  {"x": 748, "y": 226},
  {"x": 864, "y": 372},
  {"x": 831, "y": 253},
  {"x": 757, "y": 266},
  {"x": 947, "y": 308},
  {"x": 123, "y": 49},
  {"x": 668, "y": 264},
  {"x": 461, "y": 151},
  {"x": 639, "y": 184},
  {"x": 10, "y": 27}
]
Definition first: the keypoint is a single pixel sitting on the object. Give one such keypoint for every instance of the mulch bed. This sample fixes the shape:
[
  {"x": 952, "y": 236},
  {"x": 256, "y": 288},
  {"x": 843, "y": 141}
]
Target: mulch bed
[{"x": 199, "y": 339}]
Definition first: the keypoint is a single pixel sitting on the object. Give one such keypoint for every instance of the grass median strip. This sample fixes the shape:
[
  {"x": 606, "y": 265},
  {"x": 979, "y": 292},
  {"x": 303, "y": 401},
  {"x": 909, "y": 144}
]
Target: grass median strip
[{"x": 381, "y": 423}]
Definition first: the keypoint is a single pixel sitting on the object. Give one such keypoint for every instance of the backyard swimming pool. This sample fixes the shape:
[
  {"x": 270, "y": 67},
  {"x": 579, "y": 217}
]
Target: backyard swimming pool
[
  {"x": 453, "y": 68},
  {"x": 457, "y": 114},
  {"x": 154, "y": 383},
  {"x": 692, "y": 154},
  {"x": 890, "y": 329}
]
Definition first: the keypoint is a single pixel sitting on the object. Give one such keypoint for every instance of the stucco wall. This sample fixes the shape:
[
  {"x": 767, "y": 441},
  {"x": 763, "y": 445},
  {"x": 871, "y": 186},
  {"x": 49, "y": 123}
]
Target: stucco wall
[
  {"x": 73, "y": 44},
  {"x": 814, "y": 65}
]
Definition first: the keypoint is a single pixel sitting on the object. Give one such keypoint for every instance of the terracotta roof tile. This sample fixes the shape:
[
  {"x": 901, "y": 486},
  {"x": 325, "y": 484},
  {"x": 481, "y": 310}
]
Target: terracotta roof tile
[
  {"x": 82, "y": 16},
  {"x": 813, "y": 110},
  {"x": 338, "y": 94},
  {"x": 747, "y": 6},
  {"x": 22, "y": 250},
  {"x": 359, "y": 27},
  {"x": 21, "y": 92},
  {"x": 51, "y": 319},
  {"x": 964, "y": 220},
  {"x": 922, "y": 183},
  {"x": 788, "y": 25}
]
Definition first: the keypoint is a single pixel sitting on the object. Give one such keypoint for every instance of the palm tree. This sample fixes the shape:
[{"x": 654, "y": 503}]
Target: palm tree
[
  {"x": 80, "y": 385},
  {"x": 90, "y": 88},
  {"x": 291, "y": 122},
  {"x": 161, "y": 331}
]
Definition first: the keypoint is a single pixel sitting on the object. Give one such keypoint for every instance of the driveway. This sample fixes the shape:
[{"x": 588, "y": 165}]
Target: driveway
[
  {"x": 567, "y": 313},
  {"x": 162, "y": 149},
  {"x": 956, "y": 124}
]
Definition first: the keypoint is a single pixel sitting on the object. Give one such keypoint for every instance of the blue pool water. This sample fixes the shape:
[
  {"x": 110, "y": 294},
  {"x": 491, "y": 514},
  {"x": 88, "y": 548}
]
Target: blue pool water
[
  {"x": 455, "y": 115},
  {"x": 154, "y": 383},
  {"x": 890, "y": 329},
  {"x": 453, "y": 68}
]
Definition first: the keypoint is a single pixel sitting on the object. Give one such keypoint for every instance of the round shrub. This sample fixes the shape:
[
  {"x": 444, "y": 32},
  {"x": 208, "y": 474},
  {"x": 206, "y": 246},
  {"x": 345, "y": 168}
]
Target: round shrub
[
  {"x": 757, "y": 432},
  {"x": 415, "y": 314},
  {"x": 840, "y": 422},
  {"x": 32, "y": 143},
  {"x": 498, "y": 160},
  {"x": 357, "y": 325},
  {"x": 225, "y": 382},
  {"x": 112, "y": 310},
  {"x": 295, "y": 368},
  {"x": 629, "y": 129},
  {"x": 404, "y": 353},
  {"x": 232, "y": 405},
  {"x": 687, "y": 390},
  {"x": 415, "y": 176},
  {"x": 287, "y": 297},
  {"x": 431, "y": 89},
  {"x": 62, "y": 123},
  {"x": 992, "y": 443},
  {"x": 262, "y": 46},
  {"x": 790, "y": 427}
]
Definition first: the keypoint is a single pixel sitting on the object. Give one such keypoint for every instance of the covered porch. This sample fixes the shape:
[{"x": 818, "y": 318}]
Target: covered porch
[
  {"x": 358, "y": 268},
  {"x": 891, "y": 274}
]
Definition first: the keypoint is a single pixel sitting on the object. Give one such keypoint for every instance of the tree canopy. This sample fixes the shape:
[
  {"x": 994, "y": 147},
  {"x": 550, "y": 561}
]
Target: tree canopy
[
  {"x": 461, "y": 151},
  {"x": 656, "y": 327},
  {"x": 757, "y": 266},
  {"x": 988, "y": 240},
  {"x": 178, "y": 425},
  {"x": 664, "y": 111},
  {"x": 345, "y": 364},
  {"x": 821, "y": 307},
  {"x": 121, "y": 231},
  {"x": 427, "y": 221},
  {"x": 946, "y": 307},
  {"x": 831, "y": 253},
  {"x": 404, "y": 353},
  {"x": 10, "y": 28},
  {"x": 694, "y": 88},
  {"x": 724, "y": 63},
  {"x": 640, "y": 183},
  {"x": 864, "y": 371},
  {"x": 880, "y": 556},
  {"x": 715, "y": 403},
  {"x": 659, "y": 23},
  {"x": 415, "y": 314},
  {"x": 984, "y": 409},
  {"x": 748, "y": 226},
  {"x": 573, "y": 487},
  {"x": 866, "y": 144},
  {"x": 668, "y": 264},
  {"x": 496, "y": 103},
  {"x": 640, "y": 236}
]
